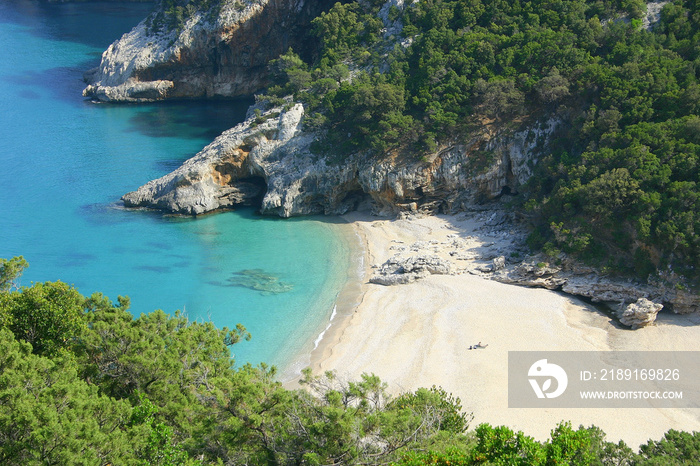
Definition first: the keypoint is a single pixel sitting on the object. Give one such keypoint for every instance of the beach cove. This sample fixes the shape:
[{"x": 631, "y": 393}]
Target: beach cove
[
  {"x": 410, "y": 335},
  {"x": 418, "y": 334}
]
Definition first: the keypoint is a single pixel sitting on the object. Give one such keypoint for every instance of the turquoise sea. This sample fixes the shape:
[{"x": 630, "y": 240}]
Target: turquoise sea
[{"x": 65, "y": 162}]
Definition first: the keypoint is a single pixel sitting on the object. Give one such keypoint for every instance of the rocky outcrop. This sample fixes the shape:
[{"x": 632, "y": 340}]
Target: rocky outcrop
[
  {"x": 627, "y": 295},
  {"x": 681, "y": 301},
  {"x": 229, "y": 171},
  {"x": 653, "y": 14},
  {"x": 510, "y": 159},
  {"x": 640, "y": 314},
  {"x": 272, "y": 151},
  {"x": 492, "y": 244},
  {"x": 221, "y": 52},
  {"x": 400, "y": 270}
]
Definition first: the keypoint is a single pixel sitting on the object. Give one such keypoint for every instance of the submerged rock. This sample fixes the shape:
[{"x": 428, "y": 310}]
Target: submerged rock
[{"x": 258, "y": 279}]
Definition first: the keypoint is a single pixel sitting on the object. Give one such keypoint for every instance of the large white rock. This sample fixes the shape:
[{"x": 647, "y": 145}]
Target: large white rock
[{"x": 640, "y": 314}]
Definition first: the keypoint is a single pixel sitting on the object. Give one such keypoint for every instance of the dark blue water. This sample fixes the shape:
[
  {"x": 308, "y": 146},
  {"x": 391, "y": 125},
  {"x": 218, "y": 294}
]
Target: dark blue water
[{"x": 65, "y": 162}]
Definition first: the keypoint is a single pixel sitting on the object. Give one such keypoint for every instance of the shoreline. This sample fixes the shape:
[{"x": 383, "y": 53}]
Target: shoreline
[
  {"x": 415, "y": 335},
  {"x": 351, "y": 297},
  {"x": 344, "y": 305}
]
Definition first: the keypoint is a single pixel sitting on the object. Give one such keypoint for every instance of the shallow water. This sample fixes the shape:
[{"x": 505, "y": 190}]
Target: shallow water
[{"x": 66, "y": 162}]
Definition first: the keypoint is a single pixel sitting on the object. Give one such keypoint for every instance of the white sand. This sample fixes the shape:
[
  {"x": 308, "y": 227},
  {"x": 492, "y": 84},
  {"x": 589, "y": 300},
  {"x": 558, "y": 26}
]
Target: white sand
[{"x": 417, "y": 335}]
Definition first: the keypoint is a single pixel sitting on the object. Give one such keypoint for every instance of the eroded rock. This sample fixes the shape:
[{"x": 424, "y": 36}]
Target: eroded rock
[
  {"x": 640, "y": 313},
  {"x": 575, "y": 279},
  {"x": 401, "y": 270},
  {"x": 276, "y": 155}
]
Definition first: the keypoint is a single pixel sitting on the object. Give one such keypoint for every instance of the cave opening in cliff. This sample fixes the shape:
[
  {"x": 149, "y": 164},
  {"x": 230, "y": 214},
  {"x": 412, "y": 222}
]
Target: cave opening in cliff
[
  {"x": 507, "y": 191},
  {"x": 356, "y": 199},
  {"x": 253, "y": 190}
]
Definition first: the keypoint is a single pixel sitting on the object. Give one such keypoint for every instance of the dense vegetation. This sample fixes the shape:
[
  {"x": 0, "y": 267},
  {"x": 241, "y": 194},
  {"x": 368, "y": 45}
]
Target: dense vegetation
[
  {"x": 84, "y": 382},
  {"x": 618, "y": 186}
]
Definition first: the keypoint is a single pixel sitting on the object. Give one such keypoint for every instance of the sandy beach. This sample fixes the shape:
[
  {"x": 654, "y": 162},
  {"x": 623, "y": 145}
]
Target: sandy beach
[{"x": 418, "y": 334}]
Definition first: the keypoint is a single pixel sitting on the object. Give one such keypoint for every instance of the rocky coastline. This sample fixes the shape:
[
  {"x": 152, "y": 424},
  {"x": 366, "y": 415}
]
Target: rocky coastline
[
  {"x": 414, "y": 334},
  {"x": 273, "y": 151},
  {"x": 495, "y": 249},
  {"x": 220, "y": 53},
  {"x": 268, "y": 162}
]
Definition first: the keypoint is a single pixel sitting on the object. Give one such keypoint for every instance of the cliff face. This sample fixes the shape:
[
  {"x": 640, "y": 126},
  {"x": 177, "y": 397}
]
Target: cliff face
[
  {"x": 275, "y": 156},
  {"x": 220, "y": 53}
]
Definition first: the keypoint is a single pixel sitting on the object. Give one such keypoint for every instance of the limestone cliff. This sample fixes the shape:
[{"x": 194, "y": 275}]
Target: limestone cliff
[
  {"x": 273, "y": 153},
  {"x": 219, "y": 52}
]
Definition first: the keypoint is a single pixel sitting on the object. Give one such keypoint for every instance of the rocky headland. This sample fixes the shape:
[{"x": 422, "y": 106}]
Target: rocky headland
[
  {"x": 220, "y": 52},
  {"x": 273, "y": 151},
  {"x": 268, "y": 162}
]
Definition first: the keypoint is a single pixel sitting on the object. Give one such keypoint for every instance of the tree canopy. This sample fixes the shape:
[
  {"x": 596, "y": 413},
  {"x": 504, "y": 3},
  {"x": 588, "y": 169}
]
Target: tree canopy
[{"x": 159, "y": 389}]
